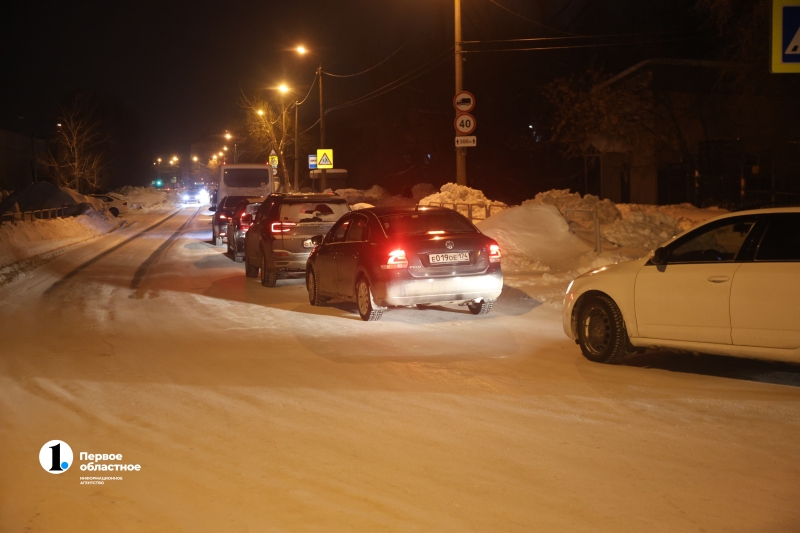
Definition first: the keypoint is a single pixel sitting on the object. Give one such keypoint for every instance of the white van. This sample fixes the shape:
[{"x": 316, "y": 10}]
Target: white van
[{"x": 245, "y": 180}]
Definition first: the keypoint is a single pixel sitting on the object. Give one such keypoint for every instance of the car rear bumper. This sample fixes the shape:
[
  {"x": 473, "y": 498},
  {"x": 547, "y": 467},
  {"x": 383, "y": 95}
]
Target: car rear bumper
[
  {"x": 290, "y": 261},
  {"x": 438, "y": 290}
]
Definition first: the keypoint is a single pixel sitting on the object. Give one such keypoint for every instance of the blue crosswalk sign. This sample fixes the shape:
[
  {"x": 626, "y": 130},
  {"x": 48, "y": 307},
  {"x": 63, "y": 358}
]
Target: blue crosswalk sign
[{"x": 786, "y": 36}]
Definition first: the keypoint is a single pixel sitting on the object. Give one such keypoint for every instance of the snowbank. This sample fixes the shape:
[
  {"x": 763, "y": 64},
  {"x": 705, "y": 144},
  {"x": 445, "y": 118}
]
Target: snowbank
[
  {"x": 23, "y": 240},
  {"x": 369, "y": 196},
  {"x": 563, "y": 200},
  {"x": 42, "y": 195},
  {"x": 361, "y": 205},
  {"x": 450, "y": 193},
  {"x": 534, "y": 237},
  {"x": 147, "y": 198}
]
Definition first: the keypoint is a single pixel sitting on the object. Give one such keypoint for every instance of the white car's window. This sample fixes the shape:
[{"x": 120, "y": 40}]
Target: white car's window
[
  {"x": 720, "y": 242},
  {"x": 313, "y": 212},
  {"x": 781, "y": 242}
]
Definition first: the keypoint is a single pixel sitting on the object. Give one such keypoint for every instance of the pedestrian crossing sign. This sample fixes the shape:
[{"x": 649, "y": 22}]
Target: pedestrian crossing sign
[
  {"x": 785, "y": 36},
  {"x": 325, "y": 158}
]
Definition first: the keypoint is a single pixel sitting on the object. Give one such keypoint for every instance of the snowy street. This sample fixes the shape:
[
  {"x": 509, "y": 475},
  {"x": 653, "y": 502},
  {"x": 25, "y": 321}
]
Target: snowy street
[{"x": 250, "y": 410}]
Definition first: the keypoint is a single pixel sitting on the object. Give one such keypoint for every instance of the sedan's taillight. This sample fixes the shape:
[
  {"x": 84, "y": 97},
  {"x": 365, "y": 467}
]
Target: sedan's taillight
[
  {"x": 494, "y": 253},
  {"x": 282, "y": 227},
  {"x": 397, "y": 259},
  {"x": 245, "y": 220}
]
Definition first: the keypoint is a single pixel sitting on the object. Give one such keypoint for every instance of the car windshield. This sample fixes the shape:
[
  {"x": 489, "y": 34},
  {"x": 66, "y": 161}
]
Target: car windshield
[
  {"x": 421, "y": 223},
  {"x": 313, "y": 212}
]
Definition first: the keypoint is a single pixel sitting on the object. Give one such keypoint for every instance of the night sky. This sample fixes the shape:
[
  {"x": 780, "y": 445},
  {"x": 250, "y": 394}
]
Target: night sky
[{"x": 178, "y": 67}]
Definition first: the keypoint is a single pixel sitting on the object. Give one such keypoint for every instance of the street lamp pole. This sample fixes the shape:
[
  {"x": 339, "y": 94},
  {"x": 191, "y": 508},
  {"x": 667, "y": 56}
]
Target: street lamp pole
[
  {"x": 296, "y": 149},
  {"x": 461, "y": 153},
  {"x": 323, "y": 179}
]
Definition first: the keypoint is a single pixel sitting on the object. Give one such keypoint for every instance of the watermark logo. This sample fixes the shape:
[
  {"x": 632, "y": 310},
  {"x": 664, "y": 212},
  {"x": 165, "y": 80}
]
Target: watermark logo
[{"x": 56, "y": 457}]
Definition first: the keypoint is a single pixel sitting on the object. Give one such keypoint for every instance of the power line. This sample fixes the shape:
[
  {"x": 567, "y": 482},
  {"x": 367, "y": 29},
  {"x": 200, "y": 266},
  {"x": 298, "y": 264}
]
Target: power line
[
  {"x": 609, "y": 36},
  {"x": 531, "y": 20},
  {"x": 567, "y": 47},
  {"x": 387, "y": 58}
]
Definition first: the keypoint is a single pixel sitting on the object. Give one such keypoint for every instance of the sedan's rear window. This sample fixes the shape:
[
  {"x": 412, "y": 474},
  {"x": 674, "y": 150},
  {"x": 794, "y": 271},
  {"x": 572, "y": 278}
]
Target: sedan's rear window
[
  {"x": 313, "y": 212},
  {"x": 421, "y": 223},
  {"x": 233, "y": 201}
]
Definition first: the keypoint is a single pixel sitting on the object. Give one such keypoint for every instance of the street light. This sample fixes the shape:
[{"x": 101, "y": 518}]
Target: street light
[
  {"x": 228, "y": 136},
  {"x": 323, "y": 176},
  {"x": 283, "y": 88},
  {"x": 260, "y": 112},
  {"x": 194, "y": 159}
]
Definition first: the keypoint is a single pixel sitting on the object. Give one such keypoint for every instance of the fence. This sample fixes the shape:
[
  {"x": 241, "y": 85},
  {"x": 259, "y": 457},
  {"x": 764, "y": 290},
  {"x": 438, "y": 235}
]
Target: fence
[
  {"x": 51, "y": 212},
  {"x": 471, "y": 210}
]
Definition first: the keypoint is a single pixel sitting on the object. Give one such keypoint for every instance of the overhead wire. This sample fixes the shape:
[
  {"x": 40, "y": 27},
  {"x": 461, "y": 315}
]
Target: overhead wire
[
  {"x": 567, "y": 47},
  {"x": 607, "y": 36},
  {"x": 384, "y": 60},
  {"x": 531, "y": 20}
]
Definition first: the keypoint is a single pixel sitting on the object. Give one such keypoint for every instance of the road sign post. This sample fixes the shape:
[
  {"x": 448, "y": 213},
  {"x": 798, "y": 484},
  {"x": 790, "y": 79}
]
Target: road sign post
[{"x": 785, "y": 36}]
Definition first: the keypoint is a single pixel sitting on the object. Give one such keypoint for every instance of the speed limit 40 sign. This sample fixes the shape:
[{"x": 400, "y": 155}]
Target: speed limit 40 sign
[{"x": 465, "y": 123}]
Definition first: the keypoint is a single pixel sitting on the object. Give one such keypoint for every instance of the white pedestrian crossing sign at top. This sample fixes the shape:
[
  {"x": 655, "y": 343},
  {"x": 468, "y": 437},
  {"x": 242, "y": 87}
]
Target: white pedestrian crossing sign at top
[{"x": 785, "y": 36}]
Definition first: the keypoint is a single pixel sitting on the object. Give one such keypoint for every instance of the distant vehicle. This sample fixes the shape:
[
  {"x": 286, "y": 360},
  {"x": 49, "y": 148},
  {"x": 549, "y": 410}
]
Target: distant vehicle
[
  {"x": 279, "y": 240},
  {"x": 222, "y": 214},
  {"x": 238, "y": 224},
  {"x": 115, "y": 203},
  {"x": 194, "y": 195},
  {"x": 398, "y": 256},
  {"x": 728, "y": 287},
  {"x": 245, "y": 180}
]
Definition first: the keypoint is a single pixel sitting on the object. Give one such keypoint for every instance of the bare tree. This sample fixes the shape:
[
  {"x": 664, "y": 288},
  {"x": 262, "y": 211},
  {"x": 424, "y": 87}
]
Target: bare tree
[
  {"x": 268, "y": 129},
  {"x": 78, "y": 159}
]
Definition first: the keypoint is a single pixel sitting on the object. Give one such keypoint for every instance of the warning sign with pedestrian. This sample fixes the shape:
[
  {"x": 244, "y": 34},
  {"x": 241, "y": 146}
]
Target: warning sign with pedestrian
[
  {"x": 785, "y": 36},
  {"x": 325, "y": 158}
]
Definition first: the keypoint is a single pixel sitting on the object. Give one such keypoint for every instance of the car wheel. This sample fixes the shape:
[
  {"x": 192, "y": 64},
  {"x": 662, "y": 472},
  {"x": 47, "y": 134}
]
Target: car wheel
[
  {"x": 230, "y": 249},
  {"x": 217, "y": 240},
  {"x": 239, "y": 258},
  {"x": 366, "y": 305},
  {"x": 601, "y": 331},
  {"x": 480, "y": 308},
  {"x": 269, "y": 277},
  {"x": 249, "y": 270},
  {"x": 114, "y": 211},
  {"x": 313, "y": 289}
]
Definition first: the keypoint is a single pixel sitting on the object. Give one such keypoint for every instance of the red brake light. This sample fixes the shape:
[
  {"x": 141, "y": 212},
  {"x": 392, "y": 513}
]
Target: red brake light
[
  {"x": 245, "y": 220},
  {"x": 282, "y": 227},
  {"x": 494, "y": 253},
  {"x": 397, "y": 259},
  {"x": 222, "y": 216}
]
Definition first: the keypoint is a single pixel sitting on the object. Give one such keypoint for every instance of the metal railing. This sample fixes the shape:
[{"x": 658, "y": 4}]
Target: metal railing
[
  {"x": 471, "y": 209},
  {"x": 598, "y": 246},
  {"x": 43, "y": 214}
]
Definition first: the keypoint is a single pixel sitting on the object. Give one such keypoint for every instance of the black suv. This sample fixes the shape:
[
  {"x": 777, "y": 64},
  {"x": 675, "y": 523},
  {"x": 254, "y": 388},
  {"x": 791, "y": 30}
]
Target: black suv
[{"x": 279, "y": 239}]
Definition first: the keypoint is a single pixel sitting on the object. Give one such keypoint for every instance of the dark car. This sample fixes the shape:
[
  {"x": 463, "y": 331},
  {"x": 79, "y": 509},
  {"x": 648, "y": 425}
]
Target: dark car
[
  {"x": 238, "y": 224},
  {"x": 222, "y": 214},
  {"x": 403, "y": 256},
  {"x": 279, "y": 240}
]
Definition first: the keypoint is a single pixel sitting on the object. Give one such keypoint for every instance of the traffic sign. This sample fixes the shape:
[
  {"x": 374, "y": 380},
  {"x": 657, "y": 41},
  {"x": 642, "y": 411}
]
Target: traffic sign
[
  {"x": 325, "y": 158},
  {"x": 464, "y": 102},
  {"x": 273, "y": 159},
  {"x": 463, "y": 142},
  {"x": 464, "y": 123},
  {"x": 312, "y": 162},
  {"x": 785, "y": 36}
]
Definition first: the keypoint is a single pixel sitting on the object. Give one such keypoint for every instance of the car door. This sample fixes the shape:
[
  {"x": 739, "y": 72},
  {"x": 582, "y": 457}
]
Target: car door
[
  {"x": 254, "y": 234},
  {"x": 348, "y": 254},
  {"x": 766, "y": 290},
  {"x": 688, "y": 299},
  {"x": 327, "y": 268}
]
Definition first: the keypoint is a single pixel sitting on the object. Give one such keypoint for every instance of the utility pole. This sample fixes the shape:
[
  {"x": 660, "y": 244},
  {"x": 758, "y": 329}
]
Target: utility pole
[
  {"x": 461, "y": 153},
  {"x": 323, "y": 178},
  {"x": 296, "y": 149}
]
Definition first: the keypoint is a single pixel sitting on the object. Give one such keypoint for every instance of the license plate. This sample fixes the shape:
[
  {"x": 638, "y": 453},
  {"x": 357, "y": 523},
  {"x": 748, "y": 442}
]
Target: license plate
[
  {"x": 455, "y": 257},
  {"x": 308, "y": 244}
]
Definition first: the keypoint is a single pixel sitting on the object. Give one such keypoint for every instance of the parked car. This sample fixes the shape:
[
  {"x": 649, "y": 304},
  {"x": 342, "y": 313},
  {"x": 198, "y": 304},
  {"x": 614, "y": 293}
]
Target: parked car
[
  {"x": 238, "y": 224},
  {"x": 279, "y": 240},
  {"x": 115, "y": 203},
  {"x": 728, "y": 287},
  {"x": 222, "y": 214},
  {"x": 400, "y": 256}
]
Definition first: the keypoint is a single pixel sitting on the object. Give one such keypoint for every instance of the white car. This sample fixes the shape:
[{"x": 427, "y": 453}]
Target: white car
[
  {"x": 730, "y": 287},
  {"x": 116, "y": 203}
]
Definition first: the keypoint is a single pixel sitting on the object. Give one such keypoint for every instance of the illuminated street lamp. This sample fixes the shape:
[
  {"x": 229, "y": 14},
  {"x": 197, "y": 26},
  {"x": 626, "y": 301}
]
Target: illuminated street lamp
[
  {"x": 194, "y": 159},
  {"x": 228, "y": 136},
  {"x": 260, "y": 112},
  {"x": 283, "y": 88}
]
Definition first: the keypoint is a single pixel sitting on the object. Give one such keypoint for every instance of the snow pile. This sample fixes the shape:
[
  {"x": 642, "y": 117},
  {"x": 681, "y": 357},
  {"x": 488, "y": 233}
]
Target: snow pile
[
  {"x": 534, "y": 238},
  {"x": 564, "y": 200},
  {"x": 687, "y": 216},
  {"x": 450, "y": 193},
  {"x": 642, "y": 230},
  {"x": 23, "y": 240},
  {"x": 361, "y": 205},
  {"x": 370, "y": 196},
  {"x": 147, "y": 198},
  {"x": 43, "y": 195},
  {"x": 421, "y": 190}
]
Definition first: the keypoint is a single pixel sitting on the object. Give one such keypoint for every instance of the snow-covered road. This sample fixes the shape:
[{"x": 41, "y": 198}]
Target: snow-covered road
[{"x": 250, "y": 410}]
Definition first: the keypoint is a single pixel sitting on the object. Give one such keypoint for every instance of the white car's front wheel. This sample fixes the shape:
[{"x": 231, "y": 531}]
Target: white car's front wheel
[{"x": 601, "y": 331}]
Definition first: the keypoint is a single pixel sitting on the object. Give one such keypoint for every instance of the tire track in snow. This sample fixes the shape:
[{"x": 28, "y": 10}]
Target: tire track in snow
[
  {"x": 145, "y": 267},
  {"x": 83, "y": 266}
]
